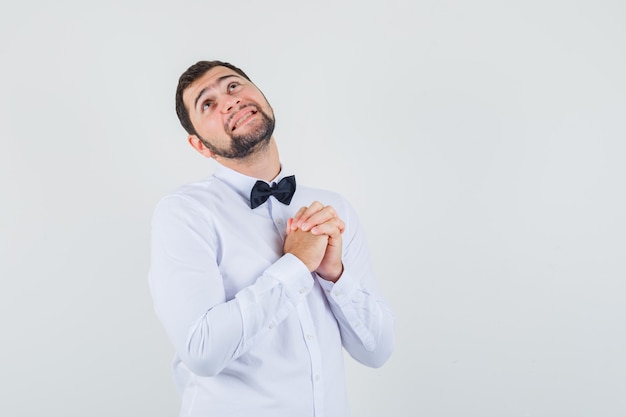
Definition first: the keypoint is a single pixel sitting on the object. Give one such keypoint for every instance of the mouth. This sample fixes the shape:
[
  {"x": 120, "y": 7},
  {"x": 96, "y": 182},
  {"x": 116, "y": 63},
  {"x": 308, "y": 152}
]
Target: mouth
[{"x": 242, "y": 118}]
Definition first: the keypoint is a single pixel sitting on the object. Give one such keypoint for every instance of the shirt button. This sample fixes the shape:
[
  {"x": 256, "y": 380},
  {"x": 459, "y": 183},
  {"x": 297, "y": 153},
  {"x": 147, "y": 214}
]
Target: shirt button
[
  {"x": 279, "y": 221},
  {"x": 317, "y": 377},
  {"x": 302, "y": 291},
  {"x": 309, "y": 337},
  {"x": 271, "y": 326}
]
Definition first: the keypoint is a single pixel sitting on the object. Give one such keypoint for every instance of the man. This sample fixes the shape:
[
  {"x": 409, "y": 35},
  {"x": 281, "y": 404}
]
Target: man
[{"x": 258, "y": 283}]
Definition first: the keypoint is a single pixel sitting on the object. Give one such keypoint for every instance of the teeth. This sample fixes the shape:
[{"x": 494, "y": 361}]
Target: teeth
[{"x": 243, "y": 119}]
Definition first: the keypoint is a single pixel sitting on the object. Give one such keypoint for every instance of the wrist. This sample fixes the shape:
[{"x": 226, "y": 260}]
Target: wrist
[{"x": 332, "y": 275}]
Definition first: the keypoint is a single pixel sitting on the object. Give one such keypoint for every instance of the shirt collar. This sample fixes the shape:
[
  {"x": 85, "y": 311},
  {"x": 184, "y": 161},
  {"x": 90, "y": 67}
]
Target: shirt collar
[{"x": 241, "y": 183}]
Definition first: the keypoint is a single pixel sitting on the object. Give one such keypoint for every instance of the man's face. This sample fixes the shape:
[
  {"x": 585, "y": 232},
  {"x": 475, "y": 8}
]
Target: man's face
[{"x": 230, "y": 114}]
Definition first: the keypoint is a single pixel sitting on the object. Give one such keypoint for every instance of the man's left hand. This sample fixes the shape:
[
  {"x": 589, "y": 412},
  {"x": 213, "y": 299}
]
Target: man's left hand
[{"x": 322, "y": 220}]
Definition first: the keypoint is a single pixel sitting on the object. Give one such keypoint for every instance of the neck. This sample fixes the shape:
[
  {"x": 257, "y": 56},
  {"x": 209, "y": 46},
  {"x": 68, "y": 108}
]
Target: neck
[{"x": 263, "y": 164}]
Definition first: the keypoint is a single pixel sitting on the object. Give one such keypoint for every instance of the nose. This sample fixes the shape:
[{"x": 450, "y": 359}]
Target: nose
[{"x": 229, "y": 103}]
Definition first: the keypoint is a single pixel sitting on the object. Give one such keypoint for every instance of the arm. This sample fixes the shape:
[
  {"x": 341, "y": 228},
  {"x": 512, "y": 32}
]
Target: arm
[
  {"x": 207, "y": 330},
  {"x": 365, "y": 321}
]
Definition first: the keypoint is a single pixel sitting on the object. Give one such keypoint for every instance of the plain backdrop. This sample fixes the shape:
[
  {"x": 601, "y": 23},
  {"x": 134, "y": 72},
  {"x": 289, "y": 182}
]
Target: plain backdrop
[{"x": 482, "y": 143}]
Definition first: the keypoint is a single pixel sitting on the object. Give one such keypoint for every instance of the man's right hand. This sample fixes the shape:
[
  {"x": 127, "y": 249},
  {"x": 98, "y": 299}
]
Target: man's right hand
[{"x": 306, "y": 246}]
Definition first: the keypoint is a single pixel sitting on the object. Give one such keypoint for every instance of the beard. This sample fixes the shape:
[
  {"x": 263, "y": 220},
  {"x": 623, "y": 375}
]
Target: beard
[{"x": 244, "y": 145}]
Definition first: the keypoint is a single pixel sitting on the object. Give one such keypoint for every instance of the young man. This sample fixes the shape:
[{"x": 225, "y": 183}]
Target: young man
[{"x": 259, "y": 283}]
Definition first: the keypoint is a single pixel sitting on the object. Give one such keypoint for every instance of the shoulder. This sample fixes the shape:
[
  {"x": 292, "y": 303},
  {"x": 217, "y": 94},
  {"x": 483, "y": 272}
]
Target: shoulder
[
  {"x": 306, "y": 195},
  {"x": 194, "y": 196},
  {"x": 197, "y": 190}
]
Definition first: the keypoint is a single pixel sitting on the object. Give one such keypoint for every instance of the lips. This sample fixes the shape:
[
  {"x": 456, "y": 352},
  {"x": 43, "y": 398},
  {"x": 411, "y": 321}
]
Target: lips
[{"x": 242, "y": 117}]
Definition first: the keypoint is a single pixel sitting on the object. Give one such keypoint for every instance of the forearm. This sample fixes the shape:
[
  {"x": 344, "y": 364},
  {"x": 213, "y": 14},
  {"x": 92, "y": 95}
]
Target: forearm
[
  {"x": 209, "y": 325},
  {"x": 208, "y": 336},
  {"x": 365, "y": 321}
]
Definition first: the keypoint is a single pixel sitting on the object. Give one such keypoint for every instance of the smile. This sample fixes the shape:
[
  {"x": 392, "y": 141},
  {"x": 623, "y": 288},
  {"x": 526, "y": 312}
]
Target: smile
[{"x": 245, "y": 117}]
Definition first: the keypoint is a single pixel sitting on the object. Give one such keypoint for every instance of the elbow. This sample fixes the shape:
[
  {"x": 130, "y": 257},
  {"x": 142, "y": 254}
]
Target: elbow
[
  {"x": 380, "y": 359},
  {"x": 379, "y": 356},
  {"x": 376, "y": 351},
  {"x": 372, "y": 355},
  {"x": 201, "y": 355},
  {"x": 202, "y": 366},
  {"x": 385, "y": 343}
]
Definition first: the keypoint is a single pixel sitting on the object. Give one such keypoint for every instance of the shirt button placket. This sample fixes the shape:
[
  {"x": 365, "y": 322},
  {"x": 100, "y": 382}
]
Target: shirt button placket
[{"x": 276, "y": 214}]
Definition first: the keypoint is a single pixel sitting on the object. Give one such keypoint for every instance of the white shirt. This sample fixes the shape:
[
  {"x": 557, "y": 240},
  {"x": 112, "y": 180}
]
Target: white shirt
[{"x": 255, "y": 333}]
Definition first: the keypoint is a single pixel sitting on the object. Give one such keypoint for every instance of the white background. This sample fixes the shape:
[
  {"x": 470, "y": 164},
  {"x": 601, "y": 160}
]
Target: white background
[{"x": 482, "y": 143}]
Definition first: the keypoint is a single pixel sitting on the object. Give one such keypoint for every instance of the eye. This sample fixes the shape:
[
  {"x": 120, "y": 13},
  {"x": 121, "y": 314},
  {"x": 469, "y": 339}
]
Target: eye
[
  {"x": 232, "y": 86},
  {"x": 206, "y": 105}
]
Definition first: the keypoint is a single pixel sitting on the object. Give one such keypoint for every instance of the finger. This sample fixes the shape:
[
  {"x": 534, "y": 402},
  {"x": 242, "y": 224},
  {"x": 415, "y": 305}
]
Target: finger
[
  {"x": 289, "y": 222},
  {"x": 326, "y": 214},
  {"x": 311, "y": 210},
  {"x": 333, "y": 228},
  {"x": 296, "y": 218},
  {"x": 334, "y": 221},
  {"x": 319, "y": 217}
]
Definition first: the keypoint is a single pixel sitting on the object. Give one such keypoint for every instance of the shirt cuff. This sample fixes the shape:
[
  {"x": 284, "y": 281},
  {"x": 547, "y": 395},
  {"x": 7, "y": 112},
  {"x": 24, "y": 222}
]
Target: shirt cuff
[
  {"x": 342, "y": 291},
  {"x": 292, "y": 274}
]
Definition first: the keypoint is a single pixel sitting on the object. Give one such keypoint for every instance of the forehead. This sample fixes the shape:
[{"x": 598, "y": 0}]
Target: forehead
[{"x": 209, "y": 79}]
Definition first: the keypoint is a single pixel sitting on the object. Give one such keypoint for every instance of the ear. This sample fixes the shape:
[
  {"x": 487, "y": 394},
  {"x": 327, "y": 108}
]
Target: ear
[{"x": 197, "y": 144}]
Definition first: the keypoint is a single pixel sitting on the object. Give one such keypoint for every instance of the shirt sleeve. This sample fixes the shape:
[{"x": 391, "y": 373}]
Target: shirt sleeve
[
  {"x": 206, "y": 330},
  {"x": 365, "y": 320}
]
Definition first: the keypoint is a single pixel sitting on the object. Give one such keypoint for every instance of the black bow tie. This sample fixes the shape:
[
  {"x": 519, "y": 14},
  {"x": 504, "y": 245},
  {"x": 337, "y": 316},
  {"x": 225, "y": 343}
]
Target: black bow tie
[{"x": 283, "y": 191}]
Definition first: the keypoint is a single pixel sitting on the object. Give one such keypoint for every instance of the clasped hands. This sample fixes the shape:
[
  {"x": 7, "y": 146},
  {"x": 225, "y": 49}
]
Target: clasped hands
[{"x": 314, "y": 237}]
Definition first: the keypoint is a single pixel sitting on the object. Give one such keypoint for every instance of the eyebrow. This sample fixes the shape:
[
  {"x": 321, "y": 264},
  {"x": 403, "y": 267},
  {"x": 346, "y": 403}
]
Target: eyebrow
[{"x": 212, "y": 86}]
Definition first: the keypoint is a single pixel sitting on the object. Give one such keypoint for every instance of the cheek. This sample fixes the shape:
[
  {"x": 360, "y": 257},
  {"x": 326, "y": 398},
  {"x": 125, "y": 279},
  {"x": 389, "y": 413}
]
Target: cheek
[{"x": 212, "y": 127}]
